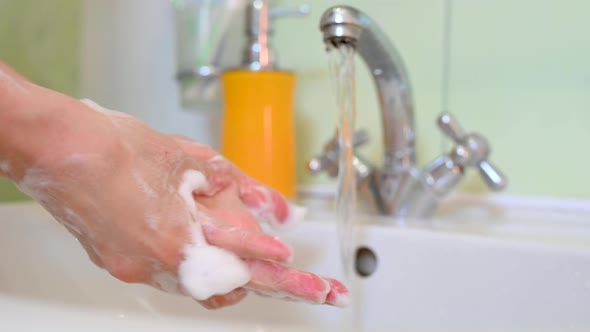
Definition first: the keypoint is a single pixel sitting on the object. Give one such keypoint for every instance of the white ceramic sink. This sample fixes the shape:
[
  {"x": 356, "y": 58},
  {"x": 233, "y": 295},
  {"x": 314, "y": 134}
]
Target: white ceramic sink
[{"x": 481, "y": 265}]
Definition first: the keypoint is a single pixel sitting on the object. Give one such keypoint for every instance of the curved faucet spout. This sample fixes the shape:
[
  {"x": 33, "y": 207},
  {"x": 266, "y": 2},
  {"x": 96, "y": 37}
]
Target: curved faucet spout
[{"x": 342, "y": 24}]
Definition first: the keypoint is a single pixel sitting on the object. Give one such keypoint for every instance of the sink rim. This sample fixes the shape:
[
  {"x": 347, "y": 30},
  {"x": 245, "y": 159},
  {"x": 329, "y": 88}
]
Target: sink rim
[{"x": 523, "y": 219}]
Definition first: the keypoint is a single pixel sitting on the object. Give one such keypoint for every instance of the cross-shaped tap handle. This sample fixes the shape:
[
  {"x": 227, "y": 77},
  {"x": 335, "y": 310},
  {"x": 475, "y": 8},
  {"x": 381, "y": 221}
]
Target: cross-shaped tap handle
[
  {"x": 328, "y": 160},
  {"x": 473, "y": 150}
]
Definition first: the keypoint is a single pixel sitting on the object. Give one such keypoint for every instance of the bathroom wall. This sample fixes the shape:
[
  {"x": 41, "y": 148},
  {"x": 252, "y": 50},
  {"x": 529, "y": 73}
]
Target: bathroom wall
[
  {"x": 40, "y": 40},
  {"x": 520, "y": 75}
]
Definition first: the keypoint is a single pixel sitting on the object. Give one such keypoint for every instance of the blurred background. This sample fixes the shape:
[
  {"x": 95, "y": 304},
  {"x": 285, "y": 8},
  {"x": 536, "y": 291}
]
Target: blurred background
[{"x": 519, "y": 73}]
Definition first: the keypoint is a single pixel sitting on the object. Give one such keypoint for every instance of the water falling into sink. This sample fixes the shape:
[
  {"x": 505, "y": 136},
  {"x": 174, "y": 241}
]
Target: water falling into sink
[{"x": 341, "y": 64}]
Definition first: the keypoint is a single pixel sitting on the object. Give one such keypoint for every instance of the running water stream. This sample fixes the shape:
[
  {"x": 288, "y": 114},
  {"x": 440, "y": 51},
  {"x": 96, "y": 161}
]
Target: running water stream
[{"x": 341, "y": 62}]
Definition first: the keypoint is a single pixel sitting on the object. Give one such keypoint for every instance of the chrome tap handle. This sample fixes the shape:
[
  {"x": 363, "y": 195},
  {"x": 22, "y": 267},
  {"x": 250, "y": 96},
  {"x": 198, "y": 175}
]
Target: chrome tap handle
[
  {"x": 360, "y": 138},
  {"x": 450, "y": 127},
  {"x": 495, "y": 179},
  {"x": 322, "y": 163},
  {"x": 328, "y": 160},
  {"x": 472, "y": 150}
]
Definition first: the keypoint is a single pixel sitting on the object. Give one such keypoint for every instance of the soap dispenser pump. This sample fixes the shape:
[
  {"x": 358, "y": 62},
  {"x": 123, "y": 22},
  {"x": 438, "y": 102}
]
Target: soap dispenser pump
[{"x": 258, "y": 133}]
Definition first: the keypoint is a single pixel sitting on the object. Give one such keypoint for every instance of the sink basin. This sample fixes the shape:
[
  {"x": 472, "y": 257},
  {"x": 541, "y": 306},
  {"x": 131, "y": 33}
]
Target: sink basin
[{"x": 482, "y": 264}]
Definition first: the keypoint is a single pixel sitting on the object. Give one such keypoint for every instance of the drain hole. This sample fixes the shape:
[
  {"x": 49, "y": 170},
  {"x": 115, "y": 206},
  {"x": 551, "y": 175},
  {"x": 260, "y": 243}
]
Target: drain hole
[{"x": 365, "y": 262}]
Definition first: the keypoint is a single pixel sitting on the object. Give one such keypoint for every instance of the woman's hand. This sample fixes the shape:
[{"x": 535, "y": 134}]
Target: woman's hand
[
  {"x": 157, "y": 209},
  {"x": 236, "y": 211}
]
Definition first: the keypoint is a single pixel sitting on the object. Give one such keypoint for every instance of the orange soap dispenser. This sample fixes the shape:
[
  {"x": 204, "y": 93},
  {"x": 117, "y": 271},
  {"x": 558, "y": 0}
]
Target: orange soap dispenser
[{"x": 258, "y": 133}]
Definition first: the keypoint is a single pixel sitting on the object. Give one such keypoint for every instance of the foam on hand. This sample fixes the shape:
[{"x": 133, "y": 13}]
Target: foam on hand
[
  {"x": 264, "y": 208},
  {"x": 5, "y": 166},
  {"x": 296, "y": 214},
  {"x": 206, "y": 270}
]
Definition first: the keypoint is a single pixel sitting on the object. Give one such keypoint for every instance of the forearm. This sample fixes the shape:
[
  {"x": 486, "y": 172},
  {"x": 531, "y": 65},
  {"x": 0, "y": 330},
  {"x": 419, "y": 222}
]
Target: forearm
[
  {"x": 37, "y": 124},
  {"x": 17, "y": 121}
]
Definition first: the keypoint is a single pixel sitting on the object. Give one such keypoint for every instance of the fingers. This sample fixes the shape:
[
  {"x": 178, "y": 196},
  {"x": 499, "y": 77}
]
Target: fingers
[
  {"x": 269, "y": 206},
  {"x": 220, "y": 301},
  {"x": 194, "y": 149},
  {"x": 338, "y": 295},
  {"x": 217, "y": 176},
  {"x": 266, "y": 204},
  {"x": 278, "y": 281},
  {"x": 248, "y": 244},
  {"x": 208, "y": 180},
  {"x": 201, "y": 180}
]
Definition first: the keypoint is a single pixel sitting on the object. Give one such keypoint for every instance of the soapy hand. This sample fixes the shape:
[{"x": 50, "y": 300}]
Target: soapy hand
[
  {"x": 158, "y": 209},
  {"x": 237, "y": 209}
]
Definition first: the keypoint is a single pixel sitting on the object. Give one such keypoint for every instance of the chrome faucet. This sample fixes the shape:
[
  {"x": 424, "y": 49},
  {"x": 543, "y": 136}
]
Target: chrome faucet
[{"x": 398, "y": 188}]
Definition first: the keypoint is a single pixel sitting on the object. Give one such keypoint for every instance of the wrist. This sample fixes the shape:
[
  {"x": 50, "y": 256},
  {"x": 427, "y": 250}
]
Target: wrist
[
  {"x": 16, "y": 119},
  {"x": 45, "y": 127}
]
